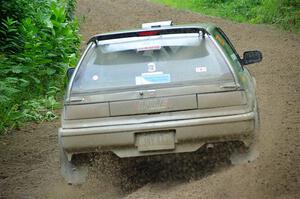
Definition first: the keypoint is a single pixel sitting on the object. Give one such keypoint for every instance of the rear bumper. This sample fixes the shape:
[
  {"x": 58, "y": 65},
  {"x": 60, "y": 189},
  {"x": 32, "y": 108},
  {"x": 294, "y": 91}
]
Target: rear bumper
[{"x": 190, "y": 134}]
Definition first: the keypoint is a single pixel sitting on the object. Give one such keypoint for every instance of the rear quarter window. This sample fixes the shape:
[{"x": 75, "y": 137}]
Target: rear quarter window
[{"x": 224, "y": 41}]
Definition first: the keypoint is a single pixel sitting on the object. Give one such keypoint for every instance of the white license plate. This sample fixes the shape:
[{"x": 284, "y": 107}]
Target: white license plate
[{"x": 154, "y": 141}]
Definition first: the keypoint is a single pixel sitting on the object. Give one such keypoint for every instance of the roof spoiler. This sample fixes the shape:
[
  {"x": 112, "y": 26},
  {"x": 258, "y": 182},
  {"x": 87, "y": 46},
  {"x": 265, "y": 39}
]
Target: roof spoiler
[{"x": 151, "y": 32}]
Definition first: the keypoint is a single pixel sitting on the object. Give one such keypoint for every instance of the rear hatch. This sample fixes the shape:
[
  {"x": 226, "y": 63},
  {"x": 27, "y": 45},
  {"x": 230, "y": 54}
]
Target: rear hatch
[{"x": 149, "y": 76}]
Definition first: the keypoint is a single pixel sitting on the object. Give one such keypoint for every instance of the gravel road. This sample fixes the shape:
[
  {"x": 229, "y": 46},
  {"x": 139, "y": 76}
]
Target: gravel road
[{"x": 29, "y": 157}]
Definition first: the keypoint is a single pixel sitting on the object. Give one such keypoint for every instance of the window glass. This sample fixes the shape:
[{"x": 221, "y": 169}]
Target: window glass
[{"x": 157, "y": 62}]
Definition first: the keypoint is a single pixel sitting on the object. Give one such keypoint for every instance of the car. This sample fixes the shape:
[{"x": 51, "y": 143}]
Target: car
[{"x": 160, "y": 89}]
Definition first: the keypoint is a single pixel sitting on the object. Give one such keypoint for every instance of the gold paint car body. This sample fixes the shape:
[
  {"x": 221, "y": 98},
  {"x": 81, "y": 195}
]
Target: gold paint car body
[{"x": 162, "y": 119}]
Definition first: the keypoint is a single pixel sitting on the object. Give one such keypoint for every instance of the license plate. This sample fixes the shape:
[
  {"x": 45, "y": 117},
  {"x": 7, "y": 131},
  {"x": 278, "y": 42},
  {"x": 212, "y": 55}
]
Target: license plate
[{"x": 154, "y": 141}]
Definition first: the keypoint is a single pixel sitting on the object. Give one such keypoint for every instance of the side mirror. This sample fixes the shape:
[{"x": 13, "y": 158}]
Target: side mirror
[
  {"x": 251, "y": 57},
  {"x": 70, "y": 72}
]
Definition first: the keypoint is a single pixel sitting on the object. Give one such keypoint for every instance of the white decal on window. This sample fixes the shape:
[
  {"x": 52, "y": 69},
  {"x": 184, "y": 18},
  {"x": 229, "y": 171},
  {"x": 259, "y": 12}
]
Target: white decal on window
[
  {"x": 233, "y": 56},
  {"x": 95, "y": 77},
  {"x": 151, "y": 67}
]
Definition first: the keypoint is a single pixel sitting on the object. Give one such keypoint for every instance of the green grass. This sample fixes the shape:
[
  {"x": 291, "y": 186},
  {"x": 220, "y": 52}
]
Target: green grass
[{"x": 284, "y": 13}]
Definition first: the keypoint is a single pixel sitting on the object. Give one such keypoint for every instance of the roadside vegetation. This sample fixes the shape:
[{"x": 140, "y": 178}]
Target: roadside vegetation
[
  {"x": 38, "y": 41},
  {"x": 284, "y": 13}
]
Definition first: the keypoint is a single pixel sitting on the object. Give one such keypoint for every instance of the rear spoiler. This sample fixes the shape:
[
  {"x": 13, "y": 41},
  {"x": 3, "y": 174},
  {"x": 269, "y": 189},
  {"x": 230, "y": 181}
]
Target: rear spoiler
[{"x": 150, "y": 32}]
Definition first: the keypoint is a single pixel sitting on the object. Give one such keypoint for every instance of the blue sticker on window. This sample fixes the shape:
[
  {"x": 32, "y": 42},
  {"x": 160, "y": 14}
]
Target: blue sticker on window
[{"x": 153, "y": 78}]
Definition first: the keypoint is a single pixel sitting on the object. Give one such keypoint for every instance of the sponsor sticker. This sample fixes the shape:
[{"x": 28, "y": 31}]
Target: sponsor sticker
[
  {"x": 145, "y": 48},
  {"x": 152, "y": 78},
  {"x": 220, "y": 40},
  {"x": 233, "y": 56}
]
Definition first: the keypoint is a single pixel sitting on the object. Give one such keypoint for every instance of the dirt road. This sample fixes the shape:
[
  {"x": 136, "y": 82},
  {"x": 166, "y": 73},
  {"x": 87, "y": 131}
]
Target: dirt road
[{"x": 29, "y": 157}]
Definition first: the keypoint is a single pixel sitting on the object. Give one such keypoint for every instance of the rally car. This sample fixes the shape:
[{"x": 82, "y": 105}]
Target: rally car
[{"x": 157, "y": 90}]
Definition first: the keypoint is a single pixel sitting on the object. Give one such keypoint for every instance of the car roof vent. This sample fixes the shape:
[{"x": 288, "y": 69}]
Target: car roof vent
[{"x": 157, "y": 24}]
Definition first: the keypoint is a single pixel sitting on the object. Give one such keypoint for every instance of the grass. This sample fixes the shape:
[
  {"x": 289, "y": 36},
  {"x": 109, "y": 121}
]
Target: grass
[{"x": 283, "y": 13}]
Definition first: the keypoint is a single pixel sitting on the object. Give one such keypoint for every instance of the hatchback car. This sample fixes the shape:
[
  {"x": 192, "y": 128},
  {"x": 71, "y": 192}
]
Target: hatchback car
[{"x": 157, "y": 90}]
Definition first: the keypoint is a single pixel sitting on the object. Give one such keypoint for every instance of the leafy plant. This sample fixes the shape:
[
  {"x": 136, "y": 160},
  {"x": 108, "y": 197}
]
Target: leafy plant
[
  {"x": 40, "y": 40},
  {"x": 10, "y": 35}
]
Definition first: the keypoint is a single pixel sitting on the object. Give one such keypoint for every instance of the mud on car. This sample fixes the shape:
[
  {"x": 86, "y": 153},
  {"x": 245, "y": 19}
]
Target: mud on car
[{"x": 157, "y": 90}]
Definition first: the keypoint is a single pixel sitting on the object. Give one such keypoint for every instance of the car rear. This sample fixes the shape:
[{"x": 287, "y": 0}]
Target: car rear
[{"x": 154, "y": 91}]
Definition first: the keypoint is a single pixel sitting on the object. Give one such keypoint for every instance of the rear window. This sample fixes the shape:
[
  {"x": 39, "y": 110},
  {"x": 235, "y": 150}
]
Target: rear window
[{"x": 152, "y": 62}]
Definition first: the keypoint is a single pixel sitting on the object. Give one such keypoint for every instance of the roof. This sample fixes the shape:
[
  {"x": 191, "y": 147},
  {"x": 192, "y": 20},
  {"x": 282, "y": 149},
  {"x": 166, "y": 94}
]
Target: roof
[{"x": 178, "y": 29}]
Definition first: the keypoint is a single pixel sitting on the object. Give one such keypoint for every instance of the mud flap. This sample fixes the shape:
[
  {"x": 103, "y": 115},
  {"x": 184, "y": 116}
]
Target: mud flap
[
  {"x": 247, "y": 155},
  {"x": 73, "y": 173}
]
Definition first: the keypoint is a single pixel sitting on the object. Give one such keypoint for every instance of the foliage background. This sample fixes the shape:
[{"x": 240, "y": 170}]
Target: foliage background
[
  {"x": 38, "y": 41},
  {"x": 284, "y": 13}
]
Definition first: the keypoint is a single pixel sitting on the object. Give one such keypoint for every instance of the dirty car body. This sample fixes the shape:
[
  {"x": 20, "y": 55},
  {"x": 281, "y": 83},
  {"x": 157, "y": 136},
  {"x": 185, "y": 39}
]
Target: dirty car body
[{"x": 160, "y": 89}]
